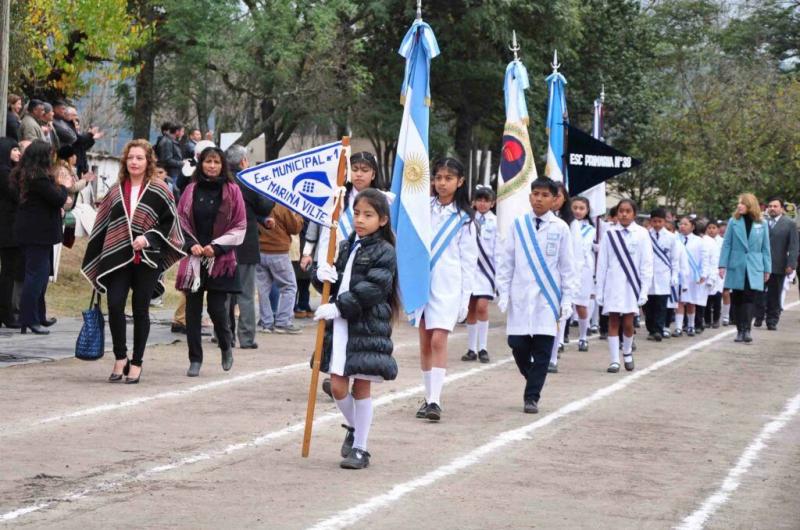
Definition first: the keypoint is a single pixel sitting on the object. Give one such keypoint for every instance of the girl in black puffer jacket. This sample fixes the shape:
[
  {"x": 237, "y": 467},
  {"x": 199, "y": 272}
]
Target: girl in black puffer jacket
[{"x": 358, "y": 340}]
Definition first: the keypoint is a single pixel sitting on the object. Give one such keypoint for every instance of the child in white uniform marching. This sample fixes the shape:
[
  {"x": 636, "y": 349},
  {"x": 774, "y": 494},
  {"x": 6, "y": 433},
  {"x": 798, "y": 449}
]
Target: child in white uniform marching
[
  {"x": 666, "y": 269},
  {"x": 483, "y": 289},
  {"x": 585, "y": 293},
  {"x": 535, "y": 283},
  {"x": 624, "y": 273},
  {"x": 363, "y": 303},
  {"x": 454, "y": 258},
  {"x": 695, "y": 272},
  {"x": 713, "y": 309},
  {"x": 725, "y": 314}
]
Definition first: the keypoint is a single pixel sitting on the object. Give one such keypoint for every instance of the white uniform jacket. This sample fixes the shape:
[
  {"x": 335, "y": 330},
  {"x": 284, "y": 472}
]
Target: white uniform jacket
[
  {"x": 529, "y": 312},
  {"x": 614, "y": 290},
  {"x": 484, "y": 284},
  {"x": 586, "y": 274},
  {"x": 666, "y": 262},
  {"x": 453, "y": 276},
  {"x": 696, "y": 266},
  {"x": 713, "y": 281}
]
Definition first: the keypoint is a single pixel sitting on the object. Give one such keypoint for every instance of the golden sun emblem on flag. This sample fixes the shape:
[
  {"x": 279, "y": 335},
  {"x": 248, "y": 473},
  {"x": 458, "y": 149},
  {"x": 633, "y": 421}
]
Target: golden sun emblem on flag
[{"x": 415, "y": 173}]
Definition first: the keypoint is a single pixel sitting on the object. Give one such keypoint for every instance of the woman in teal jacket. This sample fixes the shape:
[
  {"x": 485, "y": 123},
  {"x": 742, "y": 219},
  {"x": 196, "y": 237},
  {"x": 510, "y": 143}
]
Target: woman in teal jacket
[{"x": 745, "y": 261}]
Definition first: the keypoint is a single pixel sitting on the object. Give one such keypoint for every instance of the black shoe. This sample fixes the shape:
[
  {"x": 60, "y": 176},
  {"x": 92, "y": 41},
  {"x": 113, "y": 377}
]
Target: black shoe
[
  {"x": 433, "y": 412},
  {"x": 194, "y": 369},
  {"x": 603, "y": 335},
  {"x": 469, "y": 356},
  {"x": 531, "y": 407},
  {"x": 227, "y": 359},
  {"x": 552, "y": 368},
  {"x": 132, "y": 381},
  {"x": 690, "y": 332},
  {"x": 36, "y": 330},
  {"x": 666, "y": 334},
  {"x": 656, "y": 337},
  {"x": 47, "y": 322},
  {"x": 357, "y": 459},
  {"x": 715, "y": 324},
  {"x": 349, "y": 438},
  {"x": 757, "y": 323},
  {"x": 583, "y": 345},
  {"x": 252, "y": 346},
  {"x": 326, "y": 387},
  {"x": 560, "y": 349},
  {"x": 677, "y": 333},
  {"x": 483, "y": 356},
  {"x": 178, "y": 328},
  {"x": 127, "y": 369},
  {"x": 772, "y": 327},
  {"x": 629, "y": 364},
  {"x": 422, "y": 411},
  {"x": 746, "y": 337},
  {"x": 14, "y": 324},
  {"x": 613, "y": 368}
]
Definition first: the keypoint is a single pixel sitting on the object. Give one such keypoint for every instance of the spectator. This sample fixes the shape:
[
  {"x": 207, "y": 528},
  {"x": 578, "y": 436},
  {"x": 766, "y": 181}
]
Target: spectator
[
  {"x": 302, "y": 308},
  {"x": 66, "y": 134},
  {"x": 189, "y": 145},
  {"x": 37, "y": 228},
  {"x": 213, "y": 219},
  {"x": 275, "y": 267},
  {"x": 84, "y": 141},
  {"x": 10, "y": 256},
  {"x": 257, "y": 209},
  {"x": 164, "y": 129},
  {"x": 69, "y": 157},
  {"x": 128, "y": 249},
  {"x": 47, "y": 128},
  {"x": 12, "y": 118},
  {"x": 169, "y": 153},
  {"x": 31, "y": 125}
]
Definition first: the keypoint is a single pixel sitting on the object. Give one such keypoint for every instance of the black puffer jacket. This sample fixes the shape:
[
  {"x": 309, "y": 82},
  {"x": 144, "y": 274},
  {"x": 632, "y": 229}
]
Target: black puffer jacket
[{"x": 366, "y": 308}]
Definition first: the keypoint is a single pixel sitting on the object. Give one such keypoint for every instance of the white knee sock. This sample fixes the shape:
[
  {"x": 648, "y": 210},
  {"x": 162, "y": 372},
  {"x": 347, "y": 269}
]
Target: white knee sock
[
  {"x": 690, "y": 320},
  {"x": 726, "y": 311},
  {"x": 363, "y": 409},
  {"x": 678, "y": 320},
  {"x": 483, "y": 334},
  {"x": 426, "y": 379},
  {"x": 348, "y": 408},
  {"x": 437, "y": 382},
  {"x": 583, "y": 326},
  {"x": 613, "y": 349},
  {"x": 627, "y": 345},
  {"x": 595, "y": 312},
  {"x": 554, "y": 352},
  {"x": 472, "y": 337}
]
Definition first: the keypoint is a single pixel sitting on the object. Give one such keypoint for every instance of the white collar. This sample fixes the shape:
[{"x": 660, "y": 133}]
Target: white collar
[
  {"x": 547, "y": 217},
  {"x": 444, "y": 208}
]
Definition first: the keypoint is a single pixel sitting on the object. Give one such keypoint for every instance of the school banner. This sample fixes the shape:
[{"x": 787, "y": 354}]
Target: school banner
[
  {"x": 591, "y": 161},
  {"x": 304, "y": 182}
]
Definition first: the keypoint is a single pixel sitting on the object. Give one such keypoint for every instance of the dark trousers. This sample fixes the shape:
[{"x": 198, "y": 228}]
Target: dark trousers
[
  {"x": 217, "y": 306},
  {"x": 303, "y": 295},
  {"x": 140, "y": 280},
  {"x": 768, "y": 303},
  {"x": 603, "y": 322},
  {"x": 10, "y": 265},
  {"x": 655, "y": 313},
  {"x": 699, "y": 316},
  {"x": 713, "y": 308},
  {"x": 742, "y": 306},
  {"x": 38, "y": 264},
  {"x": 670, "y": 318},
  {"x": 532, "y": 354}
]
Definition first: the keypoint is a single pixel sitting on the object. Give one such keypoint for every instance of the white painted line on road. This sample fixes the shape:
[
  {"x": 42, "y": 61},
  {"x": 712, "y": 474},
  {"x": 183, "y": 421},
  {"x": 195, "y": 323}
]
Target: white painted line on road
[
  {"x": 255, "y": 442},
  {"x": 698, "y": 519}
]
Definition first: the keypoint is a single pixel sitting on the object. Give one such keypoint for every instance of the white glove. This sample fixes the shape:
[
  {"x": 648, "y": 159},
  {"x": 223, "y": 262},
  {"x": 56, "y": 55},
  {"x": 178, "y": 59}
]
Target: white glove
[
  {"x": 502, "y": 304},
  {"x": 642, "y": 300},
  {"x": 327, "y": 312},
  {"x": 327, "y": 273},
  {"x": 566, "y": 310}
]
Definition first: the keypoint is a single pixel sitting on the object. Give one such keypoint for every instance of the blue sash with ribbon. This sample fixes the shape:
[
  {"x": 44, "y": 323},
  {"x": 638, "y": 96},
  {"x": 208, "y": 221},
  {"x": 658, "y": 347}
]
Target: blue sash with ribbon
[
  {"x": 444, "y": 236},
  {"x": 586, "y": 230},
  {"x": 660, "y": 252},
  {"x": 485, "y": 264},
  {"x": 346, "y": 223},
  {"x": 627, "y": 262},
  {"x": 536, "y": 263},
  {"x": 692, "y": 263}
]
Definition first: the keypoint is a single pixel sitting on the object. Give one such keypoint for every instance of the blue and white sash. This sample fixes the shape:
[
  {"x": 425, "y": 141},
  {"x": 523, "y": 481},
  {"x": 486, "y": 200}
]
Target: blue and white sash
[
  {"x": 692, "y": 263},
  {"x": 538, "y": 265},
  {"x": 346, "y": 223},
  {"x": 587, "y": 230},
  {"x": 626, "y": 262},
  {"x": 660, "y": 252},
  {"x": 484, "y": 263},
  {"x": 444, "y": 236}
]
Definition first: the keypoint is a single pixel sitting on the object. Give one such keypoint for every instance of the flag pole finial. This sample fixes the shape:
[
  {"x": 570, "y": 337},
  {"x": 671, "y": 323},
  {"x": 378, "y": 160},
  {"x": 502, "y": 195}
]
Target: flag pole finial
[
  {"x": 603, "y": 93},
  {"x": 514, "y": 45},
  {"x": 419, "y": 9},
  {"x": 555, "y": 64}
]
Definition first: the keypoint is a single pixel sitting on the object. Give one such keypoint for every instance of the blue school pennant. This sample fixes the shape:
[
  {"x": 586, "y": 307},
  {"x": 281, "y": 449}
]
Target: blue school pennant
[{"x": 556, "y": 121}]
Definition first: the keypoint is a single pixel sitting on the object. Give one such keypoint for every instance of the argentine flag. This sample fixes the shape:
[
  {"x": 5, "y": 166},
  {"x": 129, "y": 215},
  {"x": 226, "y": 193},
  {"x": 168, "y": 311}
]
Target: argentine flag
[
  {"x": 556, "y": 118},
  {"x": 411, "y": 180}
]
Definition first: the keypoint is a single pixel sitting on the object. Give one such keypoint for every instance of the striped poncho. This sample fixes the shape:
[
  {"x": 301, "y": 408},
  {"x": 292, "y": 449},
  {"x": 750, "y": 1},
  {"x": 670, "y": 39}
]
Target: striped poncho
[{"x": 111, "y": 243}]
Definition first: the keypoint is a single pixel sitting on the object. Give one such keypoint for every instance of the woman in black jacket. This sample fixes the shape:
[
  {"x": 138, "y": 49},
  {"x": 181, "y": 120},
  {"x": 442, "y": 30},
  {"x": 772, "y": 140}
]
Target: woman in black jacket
[
  {"x": 358, "y": 341},
  {"x": 37, "y": 228},
  {"x": 10, "y": 256}
]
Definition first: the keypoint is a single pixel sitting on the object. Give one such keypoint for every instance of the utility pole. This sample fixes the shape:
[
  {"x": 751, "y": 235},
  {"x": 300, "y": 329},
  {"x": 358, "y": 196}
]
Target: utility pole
[{"x": 5, "y": 31}]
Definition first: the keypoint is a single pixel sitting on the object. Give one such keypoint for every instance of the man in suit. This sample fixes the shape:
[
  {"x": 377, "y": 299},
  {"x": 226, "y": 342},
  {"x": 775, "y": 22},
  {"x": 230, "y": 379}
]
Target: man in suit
[{"x": 783, "y": 241}]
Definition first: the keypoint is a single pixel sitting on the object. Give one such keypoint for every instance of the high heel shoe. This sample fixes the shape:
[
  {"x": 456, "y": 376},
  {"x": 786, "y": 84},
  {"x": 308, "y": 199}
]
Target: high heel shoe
[
  {"x": 132, "y": 381},
  {"x": 116, "y": 378},
  {"x": 35, "y": 329},
  {"x": 127, "y": 369}
]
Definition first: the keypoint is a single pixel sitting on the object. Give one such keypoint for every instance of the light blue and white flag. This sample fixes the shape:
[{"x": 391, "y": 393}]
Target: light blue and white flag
[
  {"x": 411, "y": 180},
  {"x": 556, "y": 119},
  {"x": 304, "y": 182}
]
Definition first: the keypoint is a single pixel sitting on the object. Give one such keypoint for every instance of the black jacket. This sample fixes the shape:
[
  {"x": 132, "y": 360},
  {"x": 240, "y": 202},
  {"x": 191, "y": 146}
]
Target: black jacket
[
  {"x": 8, "y": 195},
  {"x": 169, "y": 154},
  {"x": 366, "y": 307},
  {"x": 38, "y": 219},
  {"x": 258, "y": 207},
  {"x": 12, "y": 126}
]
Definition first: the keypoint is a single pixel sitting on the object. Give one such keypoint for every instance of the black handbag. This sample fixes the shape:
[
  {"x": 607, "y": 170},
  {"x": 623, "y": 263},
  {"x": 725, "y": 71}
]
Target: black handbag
[{"x": 91, "y": 342}]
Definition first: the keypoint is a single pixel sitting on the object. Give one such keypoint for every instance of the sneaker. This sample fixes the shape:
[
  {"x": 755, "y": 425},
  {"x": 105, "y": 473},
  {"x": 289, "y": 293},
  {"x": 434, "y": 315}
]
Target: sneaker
[
  {"x": 433, "y": 412},
  {"x": 613, "y": 368},
  {"x": 291, "y": 329},
  {"x": 349, "y": 438},
  {"x": 483, "y": 356},
  {"x": 264, "y": 329},
  {"x": 583, "y": 345},
  {"x": 629, "y": 364},
  {"x": 531, "y": 407},
  {"x": 552, "y": 368},
  {"x": 357, "y": 459},
  {"x": 326, "y": 387},
  {"x": 422, "y": 410},
  {"x": 469, "y": 356}
]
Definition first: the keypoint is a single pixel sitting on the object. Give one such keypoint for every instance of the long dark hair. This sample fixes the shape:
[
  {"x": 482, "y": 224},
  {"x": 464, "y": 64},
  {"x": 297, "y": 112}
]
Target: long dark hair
[
  {"x": 362, "y": 157},
  {"x": 461, "y": 198},
  {"x": 565, "y": 212},
  {"x": 6, "y": 146},
  {"x": 377, "y": 200},
  {"x": 225, "y": 172},
  {"x": 36, "y": 163},
  {"x": 585, "y": 201}
]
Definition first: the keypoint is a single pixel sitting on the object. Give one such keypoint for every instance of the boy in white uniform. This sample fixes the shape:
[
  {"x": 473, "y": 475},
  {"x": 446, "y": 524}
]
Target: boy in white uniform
[
  {"x": 666, "y": 268},
  {"x": 535, "y": 284}
]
